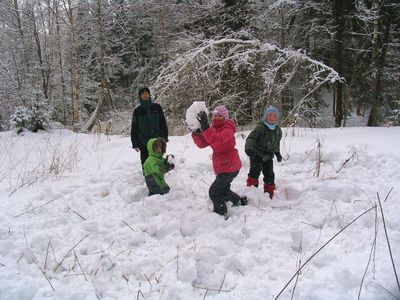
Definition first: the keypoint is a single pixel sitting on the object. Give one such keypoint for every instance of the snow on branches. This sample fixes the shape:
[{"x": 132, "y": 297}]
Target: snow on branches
[{"x": 246, "y": 75}]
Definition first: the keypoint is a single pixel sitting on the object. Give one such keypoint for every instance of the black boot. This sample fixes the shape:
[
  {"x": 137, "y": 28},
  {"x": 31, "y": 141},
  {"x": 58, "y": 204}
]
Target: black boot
[{"x": 242, "y": 202}]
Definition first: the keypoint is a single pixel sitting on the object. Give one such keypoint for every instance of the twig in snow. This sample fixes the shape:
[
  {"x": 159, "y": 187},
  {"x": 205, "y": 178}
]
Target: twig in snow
[
  {"x": 148, "y": 280},
  {"x": 318, "y": 160},
  {"x": 124, "y": 277},
  {"x": 386, "y": 290},
  {"x": 299, "y": 261},
  {"x": 239, "y": 271},
  {"x": 320, "y": 249},
  {"x": 345, "y": 162},
  {"x": 35, "y": 261},
  {"x": 47, "y": 254},
  {"x": 205, "y": 295},
  {"x": 222, "y": 283},
  {"x": 44, "y": 274},
  {"x": 80, "y": 266},
  {"x": 209, "y": 289},
  {"x": 387, "y": 196},
  {"x": 84, "y": 219},
  {"x": 139, "y": 292},
  {"x": 110, "y": 246},
  {"x": 20, "y": 257},
  {"x": 59, "y": 264},
  {"x": 31, "y": 210},
  {"x": 54, "y": 254},
  {"x": 128, "y": 225},
  {"x": 177, "y": 259},
  {"x": 387, "y": 238},
  {"x": 370, "y": 254},
  {"x": 337, "y": 215},
  {"x": 3, "y": 265},
  {"x": 315, "y": 226}
]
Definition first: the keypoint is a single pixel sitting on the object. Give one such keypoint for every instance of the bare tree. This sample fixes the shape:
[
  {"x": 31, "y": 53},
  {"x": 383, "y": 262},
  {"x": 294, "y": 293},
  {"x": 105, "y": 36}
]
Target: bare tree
[{"x": 100, "y": 28}]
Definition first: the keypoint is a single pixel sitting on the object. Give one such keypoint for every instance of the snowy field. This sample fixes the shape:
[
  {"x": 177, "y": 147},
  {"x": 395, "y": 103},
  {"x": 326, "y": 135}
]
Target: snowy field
[{"x": 75, "y": 221}]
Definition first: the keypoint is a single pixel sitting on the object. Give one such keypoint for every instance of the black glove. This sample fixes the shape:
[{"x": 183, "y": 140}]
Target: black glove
[
  {"x": 278, "y": 156},
  {"x": 202, "y": 118},
  {"x": 169, "y": 167}
]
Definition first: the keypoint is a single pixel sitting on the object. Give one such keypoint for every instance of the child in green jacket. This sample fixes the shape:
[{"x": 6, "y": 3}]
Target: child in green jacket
[
  {"x": 261, "y": 146},
  {"x": 156, "y": 166}
]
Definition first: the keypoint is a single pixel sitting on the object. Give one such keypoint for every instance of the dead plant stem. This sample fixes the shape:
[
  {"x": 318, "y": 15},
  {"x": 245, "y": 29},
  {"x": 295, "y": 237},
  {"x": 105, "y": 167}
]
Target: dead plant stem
[
  {"x": 31, "y": 210},
  {"x": 387, "y": 239},
  {"x": 320, "y": 249},
  {"x": 370, "y": 254},
  {"x": 59, "y": 264}
]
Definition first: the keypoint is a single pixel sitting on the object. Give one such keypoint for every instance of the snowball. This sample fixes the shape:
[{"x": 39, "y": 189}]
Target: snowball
[{"x": 191, "y": 114}]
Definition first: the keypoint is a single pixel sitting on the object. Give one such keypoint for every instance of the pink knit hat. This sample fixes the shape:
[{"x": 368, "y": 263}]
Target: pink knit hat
[{"x": 222, "y": 111}]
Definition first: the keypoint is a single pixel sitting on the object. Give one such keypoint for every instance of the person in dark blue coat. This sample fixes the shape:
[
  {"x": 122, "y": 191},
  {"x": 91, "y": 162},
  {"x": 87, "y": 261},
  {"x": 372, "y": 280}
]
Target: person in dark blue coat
[{"x": 148, "y": 121}]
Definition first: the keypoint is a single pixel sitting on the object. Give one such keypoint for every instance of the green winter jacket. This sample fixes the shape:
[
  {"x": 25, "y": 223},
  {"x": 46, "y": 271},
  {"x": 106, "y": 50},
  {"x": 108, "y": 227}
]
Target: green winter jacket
[
  {"x": 155, "y": 165},
  {"x": 263, "y": 142}
]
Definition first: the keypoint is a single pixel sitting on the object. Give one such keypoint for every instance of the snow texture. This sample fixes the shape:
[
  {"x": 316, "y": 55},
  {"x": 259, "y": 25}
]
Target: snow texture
[
  {"x": 76, "y": 221},
  {"x": 191, "y": 114}
]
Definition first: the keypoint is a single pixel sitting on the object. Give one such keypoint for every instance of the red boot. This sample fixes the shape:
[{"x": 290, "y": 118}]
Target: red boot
[
  {"x": 269, "y": 188},
  {"x": 252, "y": 181}
]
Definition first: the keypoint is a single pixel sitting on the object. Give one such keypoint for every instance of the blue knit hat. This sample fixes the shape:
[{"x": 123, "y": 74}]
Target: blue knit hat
[{"x": 267, "y": 111}]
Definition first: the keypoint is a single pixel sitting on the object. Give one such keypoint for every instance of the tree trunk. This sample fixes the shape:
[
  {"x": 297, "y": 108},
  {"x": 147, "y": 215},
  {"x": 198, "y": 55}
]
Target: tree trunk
[
  {"x": 376, "y": 67},
  {"x": 75, "y": 71},
  {"x": 95, "y": 115},
  {"x": 338, "y": 12},
  {"x": 60, "y": 63}
]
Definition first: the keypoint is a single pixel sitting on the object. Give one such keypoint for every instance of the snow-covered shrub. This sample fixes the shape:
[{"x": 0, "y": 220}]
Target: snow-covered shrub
[
  {"x": 394, "y": 118},
  {"x": 20, "y": 118},
  {"x": 33, "y": 118},
  {"x": 40, "y": 115}
]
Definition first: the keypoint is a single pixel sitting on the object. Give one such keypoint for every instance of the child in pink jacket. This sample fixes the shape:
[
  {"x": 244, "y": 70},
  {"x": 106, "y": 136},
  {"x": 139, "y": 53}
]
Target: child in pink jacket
[{"x": 220, "y": 136}]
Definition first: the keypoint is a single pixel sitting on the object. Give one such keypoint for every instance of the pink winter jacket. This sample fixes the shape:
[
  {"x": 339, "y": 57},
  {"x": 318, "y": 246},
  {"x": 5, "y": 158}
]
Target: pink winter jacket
[{"x": 221, "y": 138}]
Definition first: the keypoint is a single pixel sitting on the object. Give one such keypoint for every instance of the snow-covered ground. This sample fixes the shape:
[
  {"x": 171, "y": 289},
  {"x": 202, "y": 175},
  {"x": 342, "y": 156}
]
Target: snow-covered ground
[{"x": 76, "y": 222}]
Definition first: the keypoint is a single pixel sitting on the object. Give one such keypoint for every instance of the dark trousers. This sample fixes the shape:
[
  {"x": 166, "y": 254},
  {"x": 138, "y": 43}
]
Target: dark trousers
[
  {"x": 257, "y": 165},
  {"x": 220, "y": 192},
  {"x": 144, "y": 154},
  {"x": 154, "y": 189}
]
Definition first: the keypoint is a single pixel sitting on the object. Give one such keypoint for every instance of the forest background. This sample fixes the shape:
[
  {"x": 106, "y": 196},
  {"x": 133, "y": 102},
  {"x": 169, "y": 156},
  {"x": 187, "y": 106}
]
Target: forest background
[{"x": 78, "y": 63}]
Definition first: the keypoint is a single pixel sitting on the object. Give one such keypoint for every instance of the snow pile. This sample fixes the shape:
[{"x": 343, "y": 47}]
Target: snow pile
[{"x": 89, "y": 230}]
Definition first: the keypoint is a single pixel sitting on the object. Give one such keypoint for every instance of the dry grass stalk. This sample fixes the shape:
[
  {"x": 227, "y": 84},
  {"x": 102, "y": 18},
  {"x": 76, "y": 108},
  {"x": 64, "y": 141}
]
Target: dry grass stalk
[
  {"x": 318, "y": 160},
  {"x": 148, "y": 280},
  {"x": 84, "y": 219},
  {"x": 346, "y": 161},
  {"x": 387, "y": 237},
  {"x": 239, "y": 271},
  {"x": 373, "y": 247},
  {"x": 205, "y": 295},
  {"x": 111, "y": 245},
  {"x": 320, "y": 249},
  {"x": 128, "y": 225},
  {"x": 59, "y": 264},
  {"x": 80, "y": 266},
  {"x": 177, "y": 259},
  {"x": 298, "y": 264},
  {"x": 139, "y": 292},
  {"x": 222, "y": 283},
  {"x": 47, "y": 255},
  {"x": 31, "y": 210}
]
